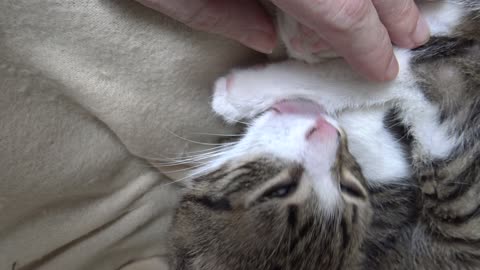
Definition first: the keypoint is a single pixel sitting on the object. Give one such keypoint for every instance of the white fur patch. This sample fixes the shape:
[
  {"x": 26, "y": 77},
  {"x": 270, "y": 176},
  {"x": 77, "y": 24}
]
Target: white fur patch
[
  {"x": 378, "y": 152},
  {"x": 284, "y": 137},
  {"x": 442, "y": 16},
  {"x": 337, "y": 88}
]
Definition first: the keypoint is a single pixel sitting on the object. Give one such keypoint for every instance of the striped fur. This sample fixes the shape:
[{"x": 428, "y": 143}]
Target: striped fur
[
  {"x": 232, "y": 219},
  {"x": 430, "y": 220}
]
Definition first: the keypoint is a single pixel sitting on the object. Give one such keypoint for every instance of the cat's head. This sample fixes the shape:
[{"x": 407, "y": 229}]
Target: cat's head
[{"x": 288, "y": 193}]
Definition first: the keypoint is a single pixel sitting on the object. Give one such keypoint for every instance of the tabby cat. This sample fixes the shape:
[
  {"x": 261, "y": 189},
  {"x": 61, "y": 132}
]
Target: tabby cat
[{"x": 403, "y": 193}]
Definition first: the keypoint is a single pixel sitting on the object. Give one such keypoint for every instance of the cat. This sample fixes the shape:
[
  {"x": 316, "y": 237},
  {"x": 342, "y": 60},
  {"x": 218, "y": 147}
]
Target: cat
[{"x": 335, "y": 172}]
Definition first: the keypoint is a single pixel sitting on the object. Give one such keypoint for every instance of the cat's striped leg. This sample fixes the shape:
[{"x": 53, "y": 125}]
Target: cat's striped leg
[
  {"x": 450, "y": 213},
  {"x": 451, "y": 198}
]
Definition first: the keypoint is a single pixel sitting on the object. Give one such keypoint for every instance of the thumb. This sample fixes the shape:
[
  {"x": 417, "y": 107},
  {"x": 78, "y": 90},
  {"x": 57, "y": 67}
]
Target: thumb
[
  {"x": 242, "y": 20},
  {"x": 353, "y": 29}
]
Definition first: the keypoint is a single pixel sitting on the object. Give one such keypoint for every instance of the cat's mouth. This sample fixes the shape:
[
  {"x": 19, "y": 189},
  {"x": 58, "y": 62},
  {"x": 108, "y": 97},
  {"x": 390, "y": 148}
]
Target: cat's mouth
[
  {"x": 310, "y": 109},
  {"x": 298, "y": 106},
  {"x": 304, "y": 107}
]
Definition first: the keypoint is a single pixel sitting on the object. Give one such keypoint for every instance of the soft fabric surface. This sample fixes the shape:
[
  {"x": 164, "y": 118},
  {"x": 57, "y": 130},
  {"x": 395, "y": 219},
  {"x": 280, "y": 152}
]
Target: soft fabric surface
[{"x": 88, "y": 90}]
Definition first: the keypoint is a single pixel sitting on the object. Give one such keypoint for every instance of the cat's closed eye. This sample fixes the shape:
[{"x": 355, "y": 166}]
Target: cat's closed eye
[
  {"x": 285, "y": 188},
  {"x": 282, "y": 190}
]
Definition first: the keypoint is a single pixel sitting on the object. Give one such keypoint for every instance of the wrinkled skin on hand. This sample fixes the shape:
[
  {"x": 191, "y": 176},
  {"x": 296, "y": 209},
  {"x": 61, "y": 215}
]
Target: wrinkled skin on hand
[{"x": 361, "y": 31}]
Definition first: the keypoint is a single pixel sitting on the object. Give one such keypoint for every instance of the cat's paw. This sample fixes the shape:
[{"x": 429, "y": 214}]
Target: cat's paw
[
  {"x": 450, "y": 203},
  {"x": 222, "y": 103},
  {"x": 435, "y": 183},
  {"x": 239, "y": 95}
]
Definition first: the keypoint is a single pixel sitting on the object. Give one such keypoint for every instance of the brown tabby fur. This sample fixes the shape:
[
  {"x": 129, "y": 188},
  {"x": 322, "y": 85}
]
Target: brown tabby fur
[
  {"x": 229, "y": 223},
  {"x": 431, "y": 221}
]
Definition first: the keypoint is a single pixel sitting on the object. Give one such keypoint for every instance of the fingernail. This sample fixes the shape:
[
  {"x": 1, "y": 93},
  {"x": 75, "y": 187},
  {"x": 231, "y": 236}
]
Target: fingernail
[
  {"x": 392, "y": 70},
  {"x": 422, "y": 32},
  {"x": 259, "y": 41}
]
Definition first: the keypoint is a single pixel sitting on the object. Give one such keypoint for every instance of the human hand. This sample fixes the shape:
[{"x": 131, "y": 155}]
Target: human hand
[
  {"x": 361, "y": 31},
  {"x": 242, "y": 20}
]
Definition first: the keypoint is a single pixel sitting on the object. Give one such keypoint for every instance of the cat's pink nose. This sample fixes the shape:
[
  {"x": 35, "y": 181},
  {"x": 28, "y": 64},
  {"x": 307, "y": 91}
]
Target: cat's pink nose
[
  {"x": 322, "y": 130},
  {"x": 298, "y": 107}
]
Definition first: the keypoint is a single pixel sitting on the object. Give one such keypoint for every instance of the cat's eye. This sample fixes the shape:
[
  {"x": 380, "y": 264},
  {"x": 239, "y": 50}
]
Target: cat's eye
[{"x": 280, "y": 191}]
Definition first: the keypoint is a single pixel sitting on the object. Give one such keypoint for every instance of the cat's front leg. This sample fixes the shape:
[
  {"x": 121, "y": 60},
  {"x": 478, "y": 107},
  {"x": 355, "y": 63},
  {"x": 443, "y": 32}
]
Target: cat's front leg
[
  {"x": 245, "y": 93},
  {"x": 450, "y": 211}
]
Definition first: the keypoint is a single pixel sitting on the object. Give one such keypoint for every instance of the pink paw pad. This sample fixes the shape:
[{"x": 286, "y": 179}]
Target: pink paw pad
[{"x": 229, "y": 82}]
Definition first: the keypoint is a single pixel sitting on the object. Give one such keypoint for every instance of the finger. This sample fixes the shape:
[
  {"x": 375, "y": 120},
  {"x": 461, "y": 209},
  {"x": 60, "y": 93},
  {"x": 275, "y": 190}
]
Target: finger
[
  {"x": 320, "y": 45},
  {"x": 353, "y": 29},
  {"x": 316, "y": 43},
  {"x": 403, "y": 22},
  {"x": 245, "y": 21}
]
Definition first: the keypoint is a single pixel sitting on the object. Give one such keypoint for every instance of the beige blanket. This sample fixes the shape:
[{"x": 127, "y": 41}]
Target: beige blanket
[{"x": 88, "y": 90}]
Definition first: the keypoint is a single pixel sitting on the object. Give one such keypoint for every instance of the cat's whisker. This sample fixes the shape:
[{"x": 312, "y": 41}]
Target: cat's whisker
[
  {"x": 176, "y": 181},
  {"x": 206, "y": 155},
  {"x": 208, "y": 149},
  {"x": 193, "y": 158},
  {"x": 278, "y": 244},
  {"x": 196, "y": 157},
  {"x": 174, "y": 163},
  {"x": 190, "y": 168},
  {"x": 236, "y": 121},
  {"x": 217, "y": 134},
  {"x": 179, "y": 163},
  {"x": 209, "y": 165},
  {"x": 160, "y": 157},
  {"x": 186, "y": 178},
  {"x": 288, "y": 252},
  {"x": 221, "y": 146},
  {"x": 190, "y": 140}
]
